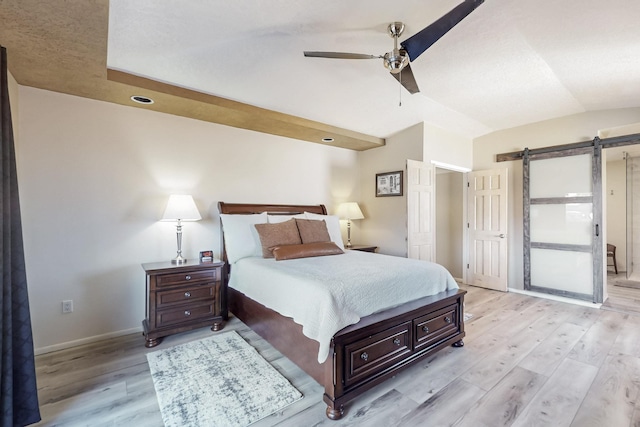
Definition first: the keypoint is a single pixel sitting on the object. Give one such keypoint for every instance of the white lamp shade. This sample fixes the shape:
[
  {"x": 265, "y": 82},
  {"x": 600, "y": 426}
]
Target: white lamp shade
[
  {"x": 350, "y": 210},
  {"x": 181, "y": 207}
]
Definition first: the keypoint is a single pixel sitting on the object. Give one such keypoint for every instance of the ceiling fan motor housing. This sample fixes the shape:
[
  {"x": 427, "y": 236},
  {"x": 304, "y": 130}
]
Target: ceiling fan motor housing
[{"x": 395, "y": 61}]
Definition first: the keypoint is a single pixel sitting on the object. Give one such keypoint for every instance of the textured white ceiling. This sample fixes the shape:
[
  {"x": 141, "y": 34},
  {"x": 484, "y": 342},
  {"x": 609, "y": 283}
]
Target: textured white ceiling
[{"x": 509, "y": 63}]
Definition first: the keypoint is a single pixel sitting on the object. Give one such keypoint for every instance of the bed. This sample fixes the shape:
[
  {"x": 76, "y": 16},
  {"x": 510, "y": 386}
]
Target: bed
[{"x": 357, "y": 356}]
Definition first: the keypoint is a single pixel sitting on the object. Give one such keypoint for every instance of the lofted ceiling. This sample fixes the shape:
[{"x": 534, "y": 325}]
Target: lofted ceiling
[{"x": 241, "y": 62}]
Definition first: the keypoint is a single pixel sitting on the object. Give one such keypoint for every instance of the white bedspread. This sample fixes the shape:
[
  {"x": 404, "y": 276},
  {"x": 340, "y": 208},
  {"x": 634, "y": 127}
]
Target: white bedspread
[{"x": 326, "y": 294}]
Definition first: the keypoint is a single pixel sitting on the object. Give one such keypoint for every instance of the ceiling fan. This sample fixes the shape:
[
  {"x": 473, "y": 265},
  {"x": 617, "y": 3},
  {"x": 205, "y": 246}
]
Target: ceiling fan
[{"x": 397, "y": 60}]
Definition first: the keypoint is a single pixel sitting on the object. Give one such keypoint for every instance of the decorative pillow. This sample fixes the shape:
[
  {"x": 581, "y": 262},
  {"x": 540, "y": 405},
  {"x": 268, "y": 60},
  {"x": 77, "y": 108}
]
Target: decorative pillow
[
  {"x": 312, "y": 231},
  {"x": 333, "y": 226},
  {"x": 306, "y": 250},
  {"x": 273, "y": 219},
  {"x": 282, "y": 233},
  {"x": 240, "y": 236}
]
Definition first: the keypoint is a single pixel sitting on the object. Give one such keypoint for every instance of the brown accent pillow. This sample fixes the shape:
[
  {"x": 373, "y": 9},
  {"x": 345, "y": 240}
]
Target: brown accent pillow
[
  {"x": 306, "y": 250},
  {"x": 313, "y": 231},
  {"x": 282, "y": 233}
]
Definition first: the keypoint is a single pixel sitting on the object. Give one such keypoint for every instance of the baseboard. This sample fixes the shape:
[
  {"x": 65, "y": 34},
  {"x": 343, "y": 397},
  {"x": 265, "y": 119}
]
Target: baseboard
[
  {"x": 555, "y": 298},
  {"x": 88, "y": 340}
]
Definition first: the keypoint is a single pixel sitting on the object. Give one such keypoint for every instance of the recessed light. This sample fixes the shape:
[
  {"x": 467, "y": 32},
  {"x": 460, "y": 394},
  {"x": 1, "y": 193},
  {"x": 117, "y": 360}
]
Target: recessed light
[
  {"x": 142, "y": 99},
  {"x": 327, "y": 139}
]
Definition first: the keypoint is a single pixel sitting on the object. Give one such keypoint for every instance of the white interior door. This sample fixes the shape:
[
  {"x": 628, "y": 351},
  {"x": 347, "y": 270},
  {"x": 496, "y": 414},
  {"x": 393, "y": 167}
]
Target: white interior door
[
  {"x": 487, "y": 224},
  {"x": 421, "y": 215}
]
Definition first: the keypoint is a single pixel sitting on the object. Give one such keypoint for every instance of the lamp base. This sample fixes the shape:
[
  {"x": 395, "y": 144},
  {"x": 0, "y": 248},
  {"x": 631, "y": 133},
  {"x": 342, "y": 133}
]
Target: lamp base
[
  {"x": 348, "y": 244},
  {"x": 179, "y": 260}
]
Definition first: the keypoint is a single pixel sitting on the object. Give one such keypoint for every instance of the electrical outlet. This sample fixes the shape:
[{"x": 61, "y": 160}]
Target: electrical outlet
[{"x": 67, "y": 306}]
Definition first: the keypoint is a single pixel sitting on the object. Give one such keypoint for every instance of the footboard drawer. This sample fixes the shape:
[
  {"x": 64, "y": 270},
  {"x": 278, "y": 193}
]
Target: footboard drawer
[
  {"x": 435, "y": 327},
  {"x": 377, "y": 352}
]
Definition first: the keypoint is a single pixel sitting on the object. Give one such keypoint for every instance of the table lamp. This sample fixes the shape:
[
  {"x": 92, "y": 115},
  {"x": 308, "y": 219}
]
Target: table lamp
[
  {"x": 180, "y": 208},
  {"x": 349, "y": 211}
]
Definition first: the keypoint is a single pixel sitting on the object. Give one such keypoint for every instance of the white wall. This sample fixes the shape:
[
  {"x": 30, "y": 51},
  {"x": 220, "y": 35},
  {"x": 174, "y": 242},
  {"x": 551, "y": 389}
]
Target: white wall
[
  {"x": 95, "y": 177},
  {"x": 449, "y": 217},
  {"x": 616, "y": 201},
  {"x": 385, "y": 223},
  {"x": 564, "y": 130},
  {"x": 447, "y": 147}
]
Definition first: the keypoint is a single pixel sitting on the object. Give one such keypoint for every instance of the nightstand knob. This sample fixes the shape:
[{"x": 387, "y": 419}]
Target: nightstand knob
[
  {"x": 396, "y": 341},
  {"x": 364, "y": 356},
  {"x": 187, "y": 294},
  {"x": 187, "y": 313},
  {"x": 447, "y": 319},
  {"x": 425, "y": 329},
  {"x": 187, "y": 277}
]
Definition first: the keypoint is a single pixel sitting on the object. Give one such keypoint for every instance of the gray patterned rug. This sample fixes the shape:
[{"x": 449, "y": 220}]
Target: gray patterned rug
[{"x": 217, "y": 381}]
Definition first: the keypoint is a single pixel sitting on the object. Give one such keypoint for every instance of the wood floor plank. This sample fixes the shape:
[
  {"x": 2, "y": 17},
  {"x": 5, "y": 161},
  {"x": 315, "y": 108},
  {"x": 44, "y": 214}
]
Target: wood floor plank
[
  {"x": 546, "y": 357},
  {"x": 503, "y": 404},
  {"x": 488, "y": 371},
  {"x": 627, "y": 341},
  {"x": 595, "y": 344},
  {"x": 558, "y": 400},
  {"x": 444, "y": 368},
  {"x": 438, "y": 410},
  {"x": 612, "y": 397}
]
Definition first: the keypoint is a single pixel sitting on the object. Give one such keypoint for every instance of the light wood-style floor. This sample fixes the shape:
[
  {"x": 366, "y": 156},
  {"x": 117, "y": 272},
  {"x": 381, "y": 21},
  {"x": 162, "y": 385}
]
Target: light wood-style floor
[{"x": 526, "y": 362}]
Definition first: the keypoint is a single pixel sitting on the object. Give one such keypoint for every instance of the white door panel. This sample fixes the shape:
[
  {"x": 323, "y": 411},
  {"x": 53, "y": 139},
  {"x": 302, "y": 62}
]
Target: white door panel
[
  {"x": 487, "y": 225},
  {"x": 421, "y": 210}
]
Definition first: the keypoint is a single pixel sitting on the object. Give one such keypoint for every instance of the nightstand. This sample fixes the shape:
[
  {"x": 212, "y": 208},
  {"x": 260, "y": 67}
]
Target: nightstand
[
  {"x": 363, "y": 248},
  {"x": 182, "y": 297}
]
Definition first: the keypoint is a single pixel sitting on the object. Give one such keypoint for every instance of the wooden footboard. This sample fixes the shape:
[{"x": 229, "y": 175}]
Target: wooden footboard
[{"x": 365, "y": 354}]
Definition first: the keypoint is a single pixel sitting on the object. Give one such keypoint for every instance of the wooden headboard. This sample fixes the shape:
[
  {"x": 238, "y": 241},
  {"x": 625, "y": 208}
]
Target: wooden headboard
[{"x": 246, "y": 208}]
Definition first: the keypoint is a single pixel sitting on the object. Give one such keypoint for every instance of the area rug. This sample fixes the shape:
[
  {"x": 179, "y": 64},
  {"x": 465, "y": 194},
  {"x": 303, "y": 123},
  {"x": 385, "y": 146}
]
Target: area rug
[{"x": 217, "y": 381}]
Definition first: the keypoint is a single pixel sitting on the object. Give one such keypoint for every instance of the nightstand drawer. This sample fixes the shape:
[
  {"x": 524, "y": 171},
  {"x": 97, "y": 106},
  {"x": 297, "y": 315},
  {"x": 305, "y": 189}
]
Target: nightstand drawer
[
  {"x": 184, "y": 295},
  {"x": 431, "y": 329},
  {"x": 175, "y": 316},
  {"x": 377, "y": 352},
  {"x": 186, "y": 278}
]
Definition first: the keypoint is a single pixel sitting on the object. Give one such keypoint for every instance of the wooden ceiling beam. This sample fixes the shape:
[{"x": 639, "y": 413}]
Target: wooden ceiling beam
[{"x": 61, "y": 46}]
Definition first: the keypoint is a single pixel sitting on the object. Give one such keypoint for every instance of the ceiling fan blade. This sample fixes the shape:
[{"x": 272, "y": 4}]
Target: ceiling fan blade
[
  {"x": 406, "y": 78},
  {"x": 422, "y": 40},
  {"x": 340, "y": 55}
]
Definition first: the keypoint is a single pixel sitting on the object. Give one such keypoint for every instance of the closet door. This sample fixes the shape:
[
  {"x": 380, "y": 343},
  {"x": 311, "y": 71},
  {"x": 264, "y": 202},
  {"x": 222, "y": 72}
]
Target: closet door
[{"x": 562, "y": 211}]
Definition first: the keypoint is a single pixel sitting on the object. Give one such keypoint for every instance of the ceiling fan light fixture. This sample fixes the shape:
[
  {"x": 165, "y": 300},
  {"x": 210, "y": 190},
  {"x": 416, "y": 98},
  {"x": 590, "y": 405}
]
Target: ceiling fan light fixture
[{"x": 395, "y": 61}]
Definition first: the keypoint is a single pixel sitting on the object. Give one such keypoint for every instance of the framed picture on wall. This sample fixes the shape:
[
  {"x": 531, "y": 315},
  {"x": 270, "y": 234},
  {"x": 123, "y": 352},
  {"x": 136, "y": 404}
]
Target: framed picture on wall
[{"x": 389, "y": 184}]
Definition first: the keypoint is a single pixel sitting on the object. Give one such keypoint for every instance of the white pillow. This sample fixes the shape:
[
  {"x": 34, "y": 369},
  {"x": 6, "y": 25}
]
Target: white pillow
[
  {"x": 241, "y": 238},
  {"x": 275, "y": 219},
  {"x": 333, "y": 226}
]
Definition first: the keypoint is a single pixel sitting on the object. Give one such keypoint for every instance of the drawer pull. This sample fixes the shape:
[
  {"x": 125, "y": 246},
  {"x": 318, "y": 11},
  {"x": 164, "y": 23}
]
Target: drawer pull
[
  {"x": 396, "y": 341},
  {"x": 364, "y": 356},
  {"x": 187, "y": 313},
  {"x": 425, "y": 329},
  {"x": 187, "y": 277},
  {"x": 187, "y": 294},
  {"x": 447, "y": 319}
]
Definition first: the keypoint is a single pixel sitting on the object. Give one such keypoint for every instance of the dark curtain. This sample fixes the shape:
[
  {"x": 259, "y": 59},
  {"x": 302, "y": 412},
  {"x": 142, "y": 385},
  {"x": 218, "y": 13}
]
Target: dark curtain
[{"x": 19, "y": 393}]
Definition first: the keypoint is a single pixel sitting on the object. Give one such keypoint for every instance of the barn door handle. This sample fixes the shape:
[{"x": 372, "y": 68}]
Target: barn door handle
[{"x": 597, "y": 230}]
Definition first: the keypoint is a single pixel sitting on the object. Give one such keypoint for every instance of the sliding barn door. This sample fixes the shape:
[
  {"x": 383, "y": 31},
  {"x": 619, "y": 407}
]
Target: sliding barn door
[{"x": 562, "y": 223}]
